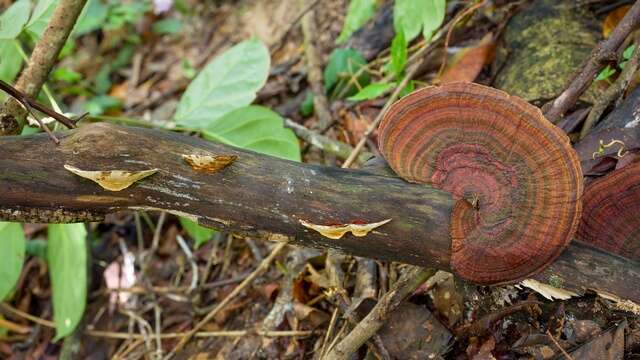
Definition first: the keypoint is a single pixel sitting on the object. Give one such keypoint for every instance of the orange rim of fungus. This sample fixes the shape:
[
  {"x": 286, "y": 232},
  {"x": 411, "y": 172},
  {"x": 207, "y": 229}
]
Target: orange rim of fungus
[
  {"x": 610, "y": 219},
  {"x": 516, "y": 179}
]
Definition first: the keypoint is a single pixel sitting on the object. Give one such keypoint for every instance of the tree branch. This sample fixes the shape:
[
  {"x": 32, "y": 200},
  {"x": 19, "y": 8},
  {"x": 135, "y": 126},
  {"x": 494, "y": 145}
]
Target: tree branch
[
  {"x": 43, "y": 57},
  {"x": 260, "y": 196}
]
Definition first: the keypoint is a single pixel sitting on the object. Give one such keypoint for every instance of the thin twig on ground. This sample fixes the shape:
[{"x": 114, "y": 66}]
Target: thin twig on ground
[
  {"x": 605, "y": 50},
  {"x": 324, "y": 143},
  {"x": 410, "y": 280},
  {"x": 43, "y": 57},
  {"x": 612, "y": 92},
  {"x": 280, "y": 40},
  {"x": 264, "y": 265}
]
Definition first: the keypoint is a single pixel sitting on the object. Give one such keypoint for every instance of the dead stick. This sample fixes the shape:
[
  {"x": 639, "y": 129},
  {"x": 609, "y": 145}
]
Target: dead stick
[{"x": 603, "y": 51}]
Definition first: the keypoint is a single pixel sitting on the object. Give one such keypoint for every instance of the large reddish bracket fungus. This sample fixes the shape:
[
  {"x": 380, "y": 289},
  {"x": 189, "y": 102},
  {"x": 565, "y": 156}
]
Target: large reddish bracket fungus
[
  {"x": 610, "y": 218},
  {"x": 517, "y": 180}
]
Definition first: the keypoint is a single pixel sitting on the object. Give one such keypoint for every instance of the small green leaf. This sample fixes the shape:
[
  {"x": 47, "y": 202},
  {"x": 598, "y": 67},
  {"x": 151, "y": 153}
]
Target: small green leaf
[
  {"x": 433, "y": 17},
  {"x": 199, "y": 234},
  {"x": 359, "y": 12},
  {"x": 167, "y": 26},
  {"x": 227, "y": 83},
  {"x": 187, "y": 69},
  {"x": 307, "y": 106},
  {"x": 255, "y": 128},
  {"x": 37, "y": 247},
  {"x": 67, "y": 260},
  {"x": 343, "y": 65},
  {"x": 372, "y": 91},
  {"x": 411, "y": 16},
  {"x": 66, "y": 74},
  {"x": 398, "y": 54},
  {"x": 605, "y": 73},
  {"x": 13, "y": 19},
  {"x": 407, "y": 89},
  {"x": 12, "y": 248},
  {"x": 628, "y": 52}
]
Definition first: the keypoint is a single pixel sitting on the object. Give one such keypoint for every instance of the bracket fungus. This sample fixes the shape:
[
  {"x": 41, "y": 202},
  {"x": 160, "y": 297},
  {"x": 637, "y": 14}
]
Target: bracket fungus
[
  {"x": 112, "y": 180},
  {"x": 610, "y": 217},
  {"x": 516, "y": 180}
]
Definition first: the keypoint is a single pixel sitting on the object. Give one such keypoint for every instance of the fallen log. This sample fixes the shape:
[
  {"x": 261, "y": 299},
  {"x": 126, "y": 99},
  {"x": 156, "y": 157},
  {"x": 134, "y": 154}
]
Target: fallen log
[{"x": 258, "y": 195}]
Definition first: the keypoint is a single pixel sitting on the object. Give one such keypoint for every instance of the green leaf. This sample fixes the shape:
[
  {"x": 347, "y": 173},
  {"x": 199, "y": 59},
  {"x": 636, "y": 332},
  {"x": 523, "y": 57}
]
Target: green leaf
[
  {"x": 307, "y": 106},
  {"x": 10, "y": 61},
  {"x": 343, "y": 65},
  {"x": 255, "y": 128},
  {"x": 93, "y": 17},
  {"x": 40, "y": 17},
  {"x": 13, "y": 19},
  {"x": 398, "y": 54},
  {"x": 37, "y": 247},
  {"x": 372, "y": 91},
  {"x": 66, "y": 74},
  {"x": 411, "y": 16},
  {"x": 605, "y": 73},
  {"x": 227, "y": 83},
  {"x": 359, "y": 12},
  {"x": 199, "y": 234},
  {"x": 12, "y": 248},
  {"x": 67, "y": 260},
  {"x": 407, "y": 89},
  {"x": 628, "y": 52},
  {"x": 98, "y": 105},
  {"x": 167, "y": 26},
  {"x": 433, "y": 16}
]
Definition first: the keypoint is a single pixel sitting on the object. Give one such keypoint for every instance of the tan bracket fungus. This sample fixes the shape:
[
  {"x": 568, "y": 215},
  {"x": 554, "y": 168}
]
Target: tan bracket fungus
[
  {"x": 515, "y": 176},
  {"x": 209, "y": 163},
  {"x": 337, "y": 231},
  {"x": 112, "y": 180}
]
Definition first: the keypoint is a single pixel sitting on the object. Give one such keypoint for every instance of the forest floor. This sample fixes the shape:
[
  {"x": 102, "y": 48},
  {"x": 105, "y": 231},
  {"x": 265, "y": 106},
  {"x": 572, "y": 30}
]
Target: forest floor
[{"x": 290, "y": 310}]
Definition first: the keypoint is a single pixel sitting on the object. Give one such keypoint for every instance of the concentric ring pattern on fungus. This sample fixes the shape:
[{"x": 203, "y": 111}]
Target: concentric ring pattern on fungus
[
  {"x": 610, "y": 218},
  {"x": 515, "y": 176}
]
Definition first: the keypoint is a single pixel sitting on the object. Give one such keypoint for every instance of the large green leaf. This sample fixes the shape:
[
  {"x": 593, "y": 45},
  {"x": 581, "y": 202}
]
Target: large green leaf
[
  {"x": 255, "y": 128},
  {"x": 227, "y": 83},
  {"x": 199, "y": 234},
  {"x": 12, "y": 248},
  {"x": 359, "y": 12},
  {"x": 13, "y": 19},
  {"x": 10, "y": 61},
  {"x": 40, "y": 17},
  {"x": 67, "y": 259},
  {"x": 411, "y": 16}
]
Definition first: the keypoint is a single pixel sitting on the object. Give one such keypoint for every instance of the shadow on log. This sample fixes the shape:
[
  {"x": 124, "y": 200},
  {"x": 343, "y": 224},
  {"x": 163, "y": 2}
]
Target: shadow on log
[{"x": 261, "y": 196}]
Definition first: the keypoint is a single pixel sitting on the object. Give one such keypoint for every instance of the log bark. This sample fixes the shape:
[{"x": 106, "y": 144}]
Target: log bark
[{"x": 258, "y": 195}]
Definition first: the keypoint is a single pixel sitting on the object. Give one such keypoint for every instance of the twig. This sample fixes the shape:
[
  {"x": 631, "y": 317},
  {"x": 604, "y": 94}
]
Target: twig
[
  {"x": 259, "y": 270},
  {"x": 612, "y": 92},
  {"x": 374, "y": 125},
  {"x": 192, "y": 261},
  {"x": 566, "y": 354},
  {"x": 43, "y": 57},
  {"x": 603, "y": 51},
  {"x": 324, "y": 143},
  {"x": 158, "y": 329},
  {"x": 27, "y": 102},
  {"x": 410, "y": 280},
  {"x": 278, "y": 43},
  {"x": 482, "y": 325},
  {"x": 206, "y": 334},
  {"x": 314, "y": 72}
]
